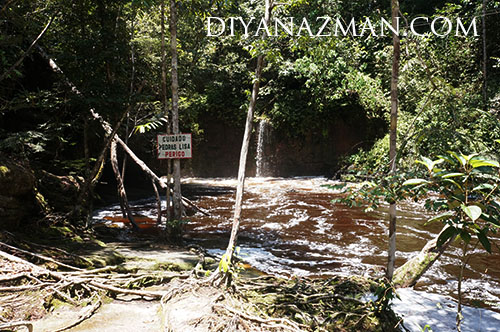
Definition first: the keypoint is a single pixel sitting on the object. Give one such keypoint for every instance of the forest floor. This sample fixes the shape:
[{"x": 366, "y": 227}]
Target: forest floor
[{"x": 57, "y": 279}]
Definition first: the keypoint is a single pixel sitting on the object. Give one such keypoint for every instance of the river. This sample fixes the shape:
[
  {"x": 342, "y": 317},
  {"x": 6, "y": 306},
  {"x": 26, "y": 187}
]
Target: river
[{"x": 290, "y": 227}]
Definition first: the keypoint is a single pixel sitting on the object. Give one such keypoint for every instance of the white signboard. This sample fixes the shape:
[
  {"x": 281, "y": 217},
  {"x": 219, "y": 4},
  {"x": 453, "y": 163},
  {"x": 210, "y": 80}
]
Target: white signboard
[{"x": 174, "y": 146}]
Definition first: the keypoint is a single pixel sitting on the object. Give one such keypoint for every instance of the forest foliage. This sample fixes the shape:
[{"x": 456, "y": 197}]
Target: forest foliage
[{"x": 111, "y": 51}]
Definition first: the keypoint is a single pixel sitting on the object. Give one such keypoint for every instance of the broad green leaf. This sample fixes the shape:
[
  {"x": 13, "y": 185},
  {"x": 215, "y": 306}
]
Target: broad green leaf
[
  {"x": 429, "y": 163},
  {"x": 484, "y": 240},
  {"x": 454, "y": 182},
  {"x": 472, "y": 211},
  {"x": 446, "y": 234},
  {"x": 465, "y": 236},
  {"x": 224, "y": 264},
  {"x": 414, "y": 182},
  {"x": 475, "y": 163},
  {"x": 460, "y": 158},
  {"x": 451, "y": 175},
  {"x": 442, "y": 216},
  {"x": 483, "y": 186}
]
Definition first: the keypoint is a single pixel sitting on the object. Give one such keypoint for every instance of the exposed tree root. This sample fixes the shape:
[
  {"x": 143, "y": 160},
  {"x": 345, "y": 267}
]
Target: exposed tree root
[
  {"x": 272, "y": 304},
  {"x": 85, "y": 314},
  {"x": 8, "y": 326},
  {"x": 78, "y": 287}
]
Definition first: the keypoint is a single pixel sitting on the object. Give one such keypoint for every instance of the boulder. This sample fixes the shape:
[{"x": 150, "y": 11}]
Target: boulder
[{"x": 17, "y": 194}]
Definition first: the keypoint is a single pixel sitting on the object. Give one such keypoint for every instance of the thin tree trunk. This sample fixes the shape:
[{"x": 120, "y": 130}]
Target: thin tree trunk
[
  {"x": 393, "y": 138},
  {"x": 120, "y": 187},
  {"x": 164, "y": 103},
  {"x": 87, "y": 167},
  {"x": 108, "y": 130},
  {"x": 244, "y": 150},
  {"x": 131, "y": 91},
  {"x": 410, "y": 272},
  {"x": 158, "y": 202},
  {"x": 175, "y": 108},
  {"x": 485, "y": 60},
  {"x": 18, "y": 62}
]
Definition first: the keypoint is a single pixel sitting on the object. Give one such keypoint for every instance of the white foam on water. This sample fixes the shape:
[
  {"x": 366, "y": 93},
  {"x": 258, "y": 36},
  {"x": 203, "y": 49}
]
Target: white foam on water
[{"x": 419, "y": 309}]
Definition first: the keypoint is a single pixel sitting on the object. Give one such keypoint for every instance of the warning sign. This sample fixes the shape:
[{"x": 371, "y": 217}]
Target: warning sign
[{"x": 176, "y": 146}]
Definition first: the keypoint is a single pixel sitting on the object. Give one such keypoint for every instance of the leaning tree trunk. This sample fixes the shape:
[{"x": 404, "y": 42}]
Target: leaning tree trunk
[
  {"x": 244, "y": 150},
  {"x": 393, "y": 138},
  {"x": 127, "y": 213},
  {"x": 409, "y": 273},
  {"x": 108, "y": 130},
  {"x": 177, "y": 199}
]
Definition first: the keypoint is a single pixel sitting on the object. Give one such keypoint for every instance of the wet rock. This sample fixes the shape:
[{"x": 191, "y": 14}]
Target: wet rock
[
  {"x": 17, "y": 195},
  {"x": 61, "y": 192}
]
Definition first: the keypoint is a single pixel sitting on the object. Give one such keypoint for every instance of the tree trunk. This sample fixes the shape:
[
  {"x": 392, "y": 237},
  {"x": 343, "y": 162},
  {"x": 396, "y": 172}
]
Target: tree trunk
[
  {"x": 244, "y": 150},
  {"x": 485, "y": 60},
  {"x": 164, "y": 105},
  {"x": 21, "y": 59},
  {"x": 393, "y": 138},
  {"x": 120, "y": 187},
  {"x": 410, "y": 272},
  {"x": 177, "y": 199},
  {"x": 108, "y": 130}
]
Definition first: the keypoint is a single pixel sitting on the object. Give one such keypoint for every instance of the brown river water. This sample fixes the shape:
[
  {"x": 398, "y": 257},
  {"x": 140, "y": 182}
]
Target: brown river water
[{"x": 290, "y": 227}]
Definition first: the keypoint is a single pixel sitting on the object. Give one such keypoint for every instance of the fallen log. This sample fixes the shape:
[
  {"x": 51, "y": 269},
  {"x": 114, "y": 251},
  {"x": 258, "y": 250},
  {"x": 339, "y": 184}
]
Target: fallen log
[{"x": 410, "y": 272}]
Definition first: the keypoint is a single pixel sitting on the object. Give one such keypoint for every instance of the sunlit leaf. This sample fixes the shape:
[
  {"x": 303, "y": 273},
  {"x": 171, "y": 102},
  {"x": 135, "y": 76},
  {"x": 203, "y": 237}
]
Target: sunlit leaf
[
  {"x": 480, "y": 163},
  {"x": 460, "y": 158},
  {"x": 452, "y": 175},
  {"x": 472, "y": 211},
  {"x": 414, "y": 182},
  {"x": 429, "y": 163}
]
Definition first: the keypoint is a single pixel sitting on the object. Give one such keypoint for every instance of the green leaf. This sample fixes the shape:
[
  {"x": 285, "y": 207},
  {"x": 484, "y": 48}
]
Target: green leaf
[
  {"x": 224, "y": 264},
  {"x": 472, "y": 211},
  {"x": 483, "y": 186},
  {"x": 484, "y": 240},
  {"x": 460, "y": 158},
  {"x": 454, "y": 182},
  {"x": 429, "y": 163},
  {"x": 465, "y": 236},
  {"x": 442, "y": 216},
  {"x": 446, "y": 234},
  {"x": 414, "y": 182},
  {"x": 475, "y": 163},
  {"x": 451, "y": 175}
]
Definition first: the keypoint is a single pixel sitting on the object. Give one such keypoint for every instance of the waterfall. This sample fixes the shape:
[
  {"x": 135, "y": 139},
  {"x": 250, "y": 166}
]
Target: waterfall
[{"x": 262, "y": 160}]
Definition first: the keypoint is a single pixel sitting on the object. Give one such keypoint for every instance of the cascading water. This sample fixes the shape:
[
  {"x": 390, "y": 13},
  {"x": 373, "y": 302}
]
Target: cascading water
[
  {"x": 262, "y": 162},
  {"x": 291, "y": 227}
]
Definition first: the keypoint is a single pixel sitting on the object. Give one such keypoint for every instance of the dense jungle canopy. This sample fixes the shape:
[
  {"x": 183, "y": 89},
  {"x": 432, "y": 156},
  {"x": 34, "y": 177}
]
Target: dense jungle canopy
[{"x": 111, "y": 51}]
